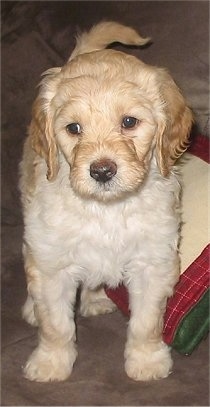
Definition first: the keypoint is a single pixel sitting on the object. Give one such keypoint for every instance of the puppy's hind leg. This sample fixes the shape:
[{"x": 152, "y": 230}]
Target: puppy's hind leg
[{"x": 94, "y": 302}]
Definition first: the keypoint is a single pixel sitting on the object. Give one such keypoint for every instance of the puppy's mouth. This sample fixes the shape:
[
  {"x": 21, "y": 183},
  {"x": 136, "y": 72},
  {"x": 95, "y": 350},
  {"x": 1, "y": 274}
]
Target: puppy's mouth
[{"x": 105, "y": 181}]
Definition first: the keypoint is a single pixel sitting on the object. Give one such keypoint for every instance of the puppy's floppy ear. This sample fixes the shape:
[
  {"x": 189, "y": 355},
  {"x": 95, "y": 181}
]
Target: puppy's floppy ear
[
  {"x": 173, "y": 131},
  {"x": 41, "y": 127}
]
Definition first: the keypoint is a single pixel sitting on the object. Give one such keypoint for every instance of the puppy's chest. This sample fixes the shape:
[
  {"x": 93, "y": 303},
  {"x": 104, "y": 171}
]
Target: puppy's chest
[
  {"x": 103, "y": 248},
  {"x": 109, "y": 236}
]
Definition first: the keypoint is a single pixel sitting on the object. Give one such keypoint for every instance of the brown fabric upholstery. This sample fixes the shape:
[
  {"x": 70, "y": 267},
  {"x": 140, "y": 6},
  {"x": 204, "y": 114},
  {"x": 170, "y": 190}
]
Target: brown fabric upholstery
[{"x": 37, "y": 36}]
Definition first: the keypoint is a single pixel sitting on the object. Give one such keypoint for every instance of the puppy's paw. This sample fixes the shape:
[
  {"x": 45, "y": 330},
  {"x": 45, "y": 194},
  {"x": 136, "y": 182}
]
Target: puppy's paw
[
  {"x": 102, "y": 306},
  {"x": 145, "y": 364},
  {"x": 95, "y": 302},
  {"x": 28, "y": 312},
  {"x": 48, "y": 365}
]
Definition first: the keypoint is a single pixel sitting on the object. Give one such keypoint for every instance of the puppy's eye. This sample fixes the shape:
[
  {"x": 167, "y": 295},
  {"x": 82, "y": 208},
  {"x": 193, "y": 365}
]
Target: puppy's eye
[
  {"x": 74, "y": 128},
  {"x": 129, "y": 122}
]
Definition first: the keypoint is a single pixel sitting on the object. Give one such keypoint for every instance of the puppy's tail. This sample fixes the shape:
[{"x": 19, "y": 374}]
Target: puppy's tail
[{"x": 103, "y": 34}]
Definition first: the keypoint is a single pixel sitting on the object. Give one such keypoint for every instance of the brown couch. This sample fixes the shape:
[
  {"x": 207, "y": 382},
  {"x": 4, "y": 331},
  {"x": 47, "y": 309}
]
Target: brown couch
[{"x": 36, "y": 36}]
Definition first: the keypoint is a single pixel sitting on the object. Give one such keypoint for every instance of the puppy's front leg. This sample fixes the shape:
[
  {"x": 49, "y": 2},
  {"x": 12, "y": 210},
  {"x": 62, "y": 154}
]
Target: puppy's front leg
[
  {"x": 146, "y": 355},
  {"x": 54, "y": 300}
]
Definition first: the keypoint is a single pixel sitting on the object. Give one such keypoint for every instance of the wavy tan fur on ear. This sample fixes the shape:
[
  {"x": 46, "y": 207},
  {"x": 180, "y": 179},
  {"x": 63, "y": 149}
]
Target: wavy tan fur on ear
[
  {"x": 42, "y": 138},
  {"x": 172, "y": 135},
  {"x": 41, "y": 128}
]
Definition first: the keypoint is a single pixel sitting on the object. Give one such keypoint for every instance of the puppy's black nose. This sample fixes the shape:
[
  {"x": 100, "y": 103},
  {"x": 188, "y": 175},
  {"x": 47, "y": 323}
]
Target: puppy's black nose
[{"x": 103, "y": 170}]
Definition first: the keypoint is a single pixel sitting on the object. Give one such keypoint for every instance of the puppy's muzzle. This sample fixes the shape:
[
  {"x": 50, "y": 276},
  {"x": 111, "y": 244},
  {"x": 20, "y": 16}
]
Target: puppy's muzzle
[{"x": 103, "y": 170}]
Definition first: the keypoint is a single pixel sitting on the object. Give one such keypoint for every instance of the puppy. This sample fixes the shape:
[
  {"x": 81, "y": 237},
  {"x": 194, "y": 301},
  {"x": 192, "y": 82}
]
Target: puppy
[{"x": 100, "y": 200}]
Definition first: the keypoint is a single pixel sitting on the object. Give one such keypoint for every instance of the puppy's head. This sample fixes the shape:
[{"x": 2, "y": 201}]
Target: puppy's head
[{"x": 108, "y": 113}]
